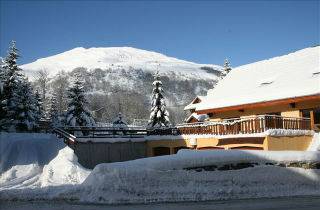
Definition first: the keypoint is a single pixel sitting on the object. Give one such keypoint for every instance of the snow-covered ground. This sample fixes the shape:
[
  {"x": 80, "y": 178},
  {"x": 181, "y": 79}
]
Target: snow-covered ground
[
  {"x": 156, "y": 179},
  {"x": 37, "y": 160}
]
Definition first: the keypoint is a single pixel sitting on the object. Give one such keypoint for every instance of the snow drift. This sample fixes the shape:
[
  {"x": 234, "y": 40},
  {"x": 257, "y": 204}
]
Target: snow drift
[
  {"x": 37, "y": 160},
  {"x": 161, "y": 179}
]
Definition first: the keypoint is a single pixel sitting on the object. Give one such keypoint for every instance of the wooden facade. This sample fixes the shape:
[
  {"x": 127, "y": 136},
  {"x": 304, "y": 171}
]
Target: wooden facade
[{"x": 307, "y": 107}]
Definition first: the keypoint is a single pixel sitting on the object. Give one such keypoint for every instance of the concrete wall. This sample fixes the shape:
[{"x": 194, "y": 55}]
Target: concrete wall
[{"x": 92, "y": 154}]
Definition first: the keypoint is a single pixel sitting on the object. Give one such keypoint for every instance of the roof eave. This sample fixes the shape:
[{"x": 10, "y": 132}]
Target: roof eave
[{"x": 259, "y": 104}]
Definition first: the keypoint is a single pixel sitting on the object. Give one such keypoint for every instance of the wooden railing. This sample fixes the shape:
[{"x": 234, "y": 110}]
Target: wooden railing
[
  {"x": 248, "y": 125},
  {"x": 105, "y": 132},
  {"x": 68, "y": 138}
]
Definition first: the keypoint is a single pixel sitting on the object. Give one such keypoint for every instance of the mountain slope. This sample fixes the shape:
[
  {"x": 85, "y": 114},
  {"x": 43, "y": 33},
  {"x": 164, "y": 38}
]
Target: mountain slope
[
  {"x": 120, "y": 58},
  {"x": 120, "y": 79}
]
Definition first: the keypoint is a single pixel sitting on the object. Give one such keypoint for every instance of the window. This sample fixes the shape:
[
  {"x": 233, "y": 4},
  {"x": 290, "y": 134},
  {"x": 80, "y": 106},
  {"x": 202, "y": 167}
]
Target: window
[
  {"x": 316, "y": 114},
  {"x": 305, "y": 113}
]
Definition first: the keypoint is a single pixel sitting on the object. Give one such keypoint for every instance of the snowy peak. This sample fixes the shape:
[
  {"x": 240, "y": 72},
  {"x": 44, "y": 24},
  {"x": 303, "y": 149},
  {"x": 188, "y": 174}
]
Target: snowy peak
[{"x": 119, "y": 58}]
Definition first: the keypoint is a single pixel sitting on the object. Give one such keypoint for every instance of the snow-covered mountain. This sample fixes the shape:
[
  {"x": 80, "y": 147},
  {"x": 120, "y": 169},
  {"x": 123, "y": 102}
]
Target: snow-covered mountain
[
  {"x": 128, "y": 72},
  {"x": 121, "y": 58}
]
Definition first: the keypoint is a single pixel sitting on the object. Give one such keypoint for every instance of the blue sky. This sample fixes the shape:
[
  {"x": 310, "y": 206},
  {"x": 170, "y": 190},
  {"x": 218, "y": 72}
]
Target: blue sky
[{"x": 199, "y": 31}]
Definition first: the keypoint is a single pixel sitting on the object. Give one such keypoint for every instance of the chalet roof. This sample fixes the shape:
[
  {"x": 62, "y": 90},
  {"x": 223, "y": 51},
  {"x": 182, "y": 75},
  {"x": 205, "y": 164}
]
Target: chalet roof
[
  {"x": 294, "y": 75},
  {"x": 198, "y": 117},
  {"x": 193, "y": 103}
]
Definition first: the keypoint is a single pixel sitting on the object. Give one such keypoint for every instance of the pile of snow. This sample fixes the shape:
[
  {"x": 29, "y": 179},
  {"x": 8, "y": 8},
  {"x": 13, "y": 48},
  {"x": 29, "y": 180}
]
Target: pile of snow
[
  {"x": 63, "y": 170},
  {"x": 37, "y": 160},
  {"x": 197, "y": 158},
  {"x": 162, "y": 179}
]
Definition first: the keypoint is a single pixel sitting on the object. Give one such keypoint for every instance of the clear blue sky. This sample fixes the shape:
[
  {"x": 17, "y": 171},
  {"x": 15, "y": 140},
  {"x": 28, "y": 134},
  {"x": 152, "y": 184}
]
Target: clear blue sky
[{"x": 199, "y": 31}]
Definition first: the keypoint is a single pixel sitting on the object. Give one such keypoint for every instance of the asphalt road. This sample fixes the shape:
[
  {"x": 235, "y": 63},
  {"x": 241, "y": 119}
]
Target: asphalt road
[{"x": 309, "y": 203}]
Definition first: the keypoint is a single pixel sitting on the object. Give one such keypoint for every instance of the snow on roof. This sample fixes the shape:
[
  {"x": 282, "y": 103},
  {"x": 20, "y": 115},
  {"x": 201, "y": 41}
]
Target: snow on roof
[
  {"x": 198, "y": 117},
  {"x": 288, "y": 76},
  {"x": 193, "y": 105}
]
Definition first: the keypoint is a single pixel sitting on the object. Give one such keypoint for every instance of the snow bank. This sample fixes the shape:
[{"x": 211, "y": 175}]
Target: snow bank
[
  {"x": 37, "y": 160},
  {"x": 27, "y": 148},
  {"x": 196, "y": 158},
  {"x": 161, "y": 179}
]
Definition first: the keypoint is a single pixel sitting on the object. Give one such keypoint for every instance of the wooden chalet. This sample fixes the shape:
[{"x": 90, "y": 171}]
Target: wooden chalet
[{"x": 268, "y": 105}]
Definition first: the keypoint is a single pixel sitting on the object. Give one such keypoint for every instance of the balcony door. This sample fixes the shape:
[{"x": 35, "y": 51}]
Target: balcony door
[{"x": 314, "y": 115}]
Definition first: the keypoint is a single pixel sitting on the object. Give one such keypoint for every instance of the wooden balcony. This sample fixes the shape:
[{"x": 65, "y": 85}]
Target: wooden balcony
[{"x": 250, "y": 125}]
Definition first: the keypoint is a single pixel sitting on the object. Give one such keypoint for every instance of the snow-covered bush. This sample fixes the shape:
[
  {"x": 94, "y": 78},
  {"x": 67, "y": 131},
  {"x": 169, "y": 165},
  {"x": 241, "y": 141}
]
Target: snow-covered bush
[{"x": 119, "y": 122}]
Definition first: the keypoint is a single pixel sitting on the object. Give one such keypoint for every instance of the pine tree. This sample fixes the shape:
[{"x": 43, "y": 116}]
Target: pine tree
[
  {"x": 25, "y": 116},
  {"x": 54, "y": 113},
  {"x": 39, "y": 114},
  {"x": 77, "y": 113},
  {"x": 226, "y": 69},
  {"x": 2, "y": 111},
  {"x": 159, "y": 116},
  {"x": 12, "y": 80}
]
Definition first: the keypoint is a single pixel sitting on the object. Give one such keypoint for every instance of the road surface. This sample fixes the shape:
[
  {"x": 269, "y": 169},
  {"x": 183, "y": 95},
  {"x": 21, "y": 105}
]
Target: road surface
[{"x": 309, "y": 203}]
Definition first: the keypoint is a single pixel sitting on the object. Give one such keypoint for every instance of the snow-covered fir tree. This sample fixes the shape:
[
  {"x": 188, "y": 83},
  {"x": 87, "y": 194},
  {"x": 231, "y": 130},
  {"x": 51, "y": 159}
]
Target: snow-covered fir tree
[
  {"x": 13, "y": 80},
  {"x": 77, "y": 113},
  {"x": 53, "y": 112},
  {"x": 2, "y": 111},
  {"x": 39, "y": 106},
  {"x": 159, "y": 116},
  {"x": 26, "y": 114},
  {"x": 226, "y": 69}
]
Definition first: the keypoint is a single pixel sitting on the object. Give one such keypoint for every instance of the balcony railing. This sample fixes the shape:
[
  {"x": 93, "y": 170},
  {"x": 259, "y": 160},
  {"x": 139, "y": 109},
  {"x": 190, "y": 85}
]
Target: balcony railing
[{"x": 249, "y": 125}]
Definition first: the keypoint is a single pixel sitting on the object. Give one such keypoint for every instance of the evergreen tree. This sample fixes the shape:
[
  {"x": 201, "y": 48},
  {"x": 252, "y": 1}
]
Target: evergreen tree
[
  {"x": 159, "y": 116},
  {"x": 25, "y": 115},
  {"x": 226, "y": 69},
  {"x": 39, "y": 107},
  {"x": 2, "y": 111},
  {"x": 12, "y": 80},
  {"x": 77, "y": 113},
  {"x": 53, "y": 112}
]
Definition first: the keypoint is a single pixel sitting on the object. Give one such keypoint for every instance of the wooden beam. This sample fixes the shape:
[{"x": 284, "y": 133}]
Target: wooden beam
[{"x": 261, "y": 104}]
